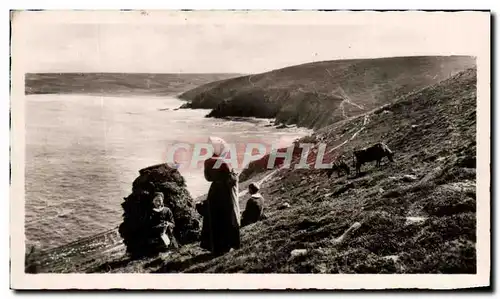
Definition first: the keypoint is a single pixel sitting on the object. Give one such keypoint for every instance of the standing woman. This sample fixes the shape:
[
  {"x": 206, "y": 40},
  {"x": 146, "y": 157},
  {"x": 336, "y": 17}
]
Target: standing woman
[{"x": 221, "y": 213}]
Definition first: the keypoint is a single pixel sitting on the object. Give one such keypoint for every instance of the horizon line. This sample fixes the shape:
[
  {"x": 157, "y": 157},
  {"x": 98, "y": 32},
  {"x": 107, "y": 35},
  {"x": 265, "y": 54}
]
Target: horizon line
[{"x": 248, "y": 73}]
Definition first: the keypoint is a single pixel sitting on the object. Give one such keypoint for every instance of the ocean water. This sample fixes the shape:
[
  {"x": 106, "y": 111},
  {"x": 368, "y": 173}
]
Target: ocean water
[{"x": 83, "y": 153}]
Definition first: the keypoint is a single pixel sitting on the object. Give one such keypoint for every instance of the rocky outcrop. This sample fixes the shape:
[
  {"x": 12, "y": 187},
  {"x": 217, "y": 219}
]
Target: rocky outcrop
[
  {"x": 137, "y": 206},
  {"x": 248, "y": 104}
]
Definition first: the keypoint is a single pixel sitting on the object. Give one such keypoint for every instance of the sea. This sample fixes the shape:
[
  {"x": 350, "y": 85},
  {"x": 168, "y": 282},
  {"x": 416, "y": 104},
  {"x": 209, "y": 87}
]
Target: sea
[{"x": 83, "y": 152}]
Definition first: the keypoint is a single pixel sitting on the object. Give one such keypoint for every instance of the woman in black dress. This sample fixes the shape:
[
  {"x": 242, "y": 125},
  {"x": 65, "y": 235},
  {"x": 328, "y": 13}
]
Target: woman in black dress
[
  {"x": 162, "y": 221},
  {"x": 221, "y": 211}
]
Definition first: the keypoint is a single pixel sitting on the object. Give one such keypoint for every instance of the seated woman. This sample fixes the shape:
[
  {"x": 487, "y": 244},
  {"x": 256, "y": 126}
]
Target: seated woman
[
  {"x": 202, "y": 208},
  {"x": 162, "y": 221},
  {"x": 254, "y": 210}
]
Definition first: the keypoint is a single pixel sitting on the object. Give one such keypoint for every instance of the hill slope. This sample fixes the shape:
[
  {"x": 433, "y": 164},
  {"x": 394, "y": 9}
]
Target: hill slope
[
  {"x": 417, "y": 215},
  {"x": 317, "y": 94},
  {"x": 116, "y": 83}
]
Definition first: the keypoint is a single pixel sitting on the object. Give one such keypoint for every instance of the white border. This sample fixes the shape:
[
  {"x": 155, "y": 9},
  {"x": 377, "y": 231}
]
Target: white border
[{"x": 255, "y": 281}]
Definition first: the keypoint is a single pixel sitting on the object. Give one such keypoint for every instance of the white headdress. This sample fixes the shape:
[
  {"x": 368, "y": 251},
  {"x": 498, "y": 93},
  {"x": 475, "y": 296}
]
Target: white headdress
[{"x": 218, "y": 144}]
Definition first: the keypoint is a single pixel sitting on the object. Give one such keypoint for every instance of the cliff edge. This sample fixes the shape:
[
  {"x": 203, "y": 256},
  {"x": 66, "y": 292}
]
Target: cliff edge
[{"x": 318, "y": 94}]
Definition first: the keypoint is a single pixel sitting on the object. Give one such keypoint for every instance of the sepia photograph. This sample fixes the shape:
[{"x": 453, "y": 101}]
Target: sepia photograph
[{"x": 219, "y": 144}]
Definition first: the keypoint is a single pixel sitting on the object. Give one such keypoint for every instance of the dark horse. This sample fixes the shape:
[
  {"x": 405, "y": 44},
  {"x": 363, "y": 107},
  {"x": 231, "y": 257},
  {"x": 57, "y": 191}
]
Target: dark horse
[{"x": 373, "y": 153}]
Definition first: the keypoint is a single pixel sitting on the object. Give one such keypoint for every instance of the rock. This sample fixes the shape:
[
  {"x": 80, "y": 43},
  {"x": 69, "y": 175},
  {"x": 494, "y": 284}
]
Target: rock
[
  {"x": 409, "y": 178},
  {"x": 394, "y": 258},
  {"x": 414, "y": 220},
  {"x": 32, "y": 258},
  {"x": 343, "y": 189},
  {"x": 467, "y": 161},
  {"x": 432, "y": 175},
  {"x": 298, "y": 252},
  {"x": 320, "y": 251},
  {"x": 245, "y": 104},
  {"x": 347, "y": 234},
  {"x": 464, "y": 186},
  {"x": 404, "y": 178},
  {"x": 356, "y": 225},
  {"x": 158, "y": 178},
  {"x": 321, "y": 268},
  {"x": 284, "y": 206}
]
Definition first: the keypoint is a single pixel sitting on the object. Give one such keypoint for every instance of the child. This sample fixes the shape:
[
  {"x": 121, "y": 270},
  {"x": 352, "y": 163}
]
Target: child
[
  {"x": 254, "y": 210},
  {"x": 202, "y": 208},
  {"x": 162, "y": 221}
]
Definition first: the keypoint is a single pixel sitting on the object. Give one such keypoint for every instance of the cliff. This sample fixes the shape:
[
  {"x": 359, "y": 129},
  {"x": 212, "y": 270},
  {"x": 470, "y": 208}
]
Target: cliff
[{"x": 318, "y": 94}]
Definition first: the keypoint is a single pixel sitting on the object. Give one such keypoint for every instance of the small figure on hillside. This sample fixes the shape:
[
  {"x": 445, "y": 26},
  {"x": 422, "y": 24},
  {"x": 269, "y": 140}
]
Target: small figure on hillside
[
  {"x": 162, "y": 222},
  {"x": 201, "y": 208},
  {"x": 254, "y": 210}
]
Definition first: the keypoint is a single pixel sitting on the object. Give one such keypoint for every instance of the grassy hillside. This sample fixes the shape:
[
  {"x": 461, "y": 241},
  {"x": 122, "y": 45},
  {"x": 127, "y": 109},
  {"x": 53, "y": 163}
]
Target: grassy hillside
[
  {"x": 116, "y": 83},
  {"x": 417, "y": 215},
  {"x": 318, "y": 94}
]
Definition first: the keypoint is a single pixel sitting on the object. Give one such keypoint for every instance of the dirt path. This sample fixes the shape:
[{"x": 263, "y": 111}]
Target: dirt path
[{"x": 250, "y": 80}]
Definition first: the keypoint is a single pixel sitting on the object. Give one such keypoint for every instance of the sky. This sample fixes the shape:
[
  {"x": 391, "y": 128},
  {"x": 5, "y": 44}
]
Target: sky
[{"x": 231, "y": 47}]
